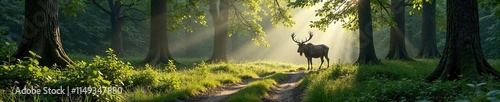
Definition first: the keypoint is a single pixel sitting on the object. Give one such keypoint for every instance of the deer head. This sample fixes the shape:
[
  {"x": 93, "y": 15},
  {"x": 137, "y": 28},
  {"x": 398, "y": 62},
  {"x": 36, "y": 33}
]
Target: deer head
[{"x": 302, "y": 44}]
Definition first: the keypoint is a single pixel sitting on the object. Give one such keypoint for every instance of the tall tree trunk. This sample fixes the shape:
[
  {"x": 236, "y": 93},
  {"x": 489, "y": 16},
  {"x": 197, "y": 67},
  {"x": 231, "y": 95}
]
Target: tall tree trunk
[
  {"x": 428, "y": 47},
  {"x": 41, "y": 33},
  {"x": 220, "y": 16},
  {"x": 463, "y": 56},
  {"x": 116, "y": 28},
  {"x": 116, "y": 36},
  {"x": 397, "y": 47},
  {"x": 366, "y": 49},
  {"x": 158, "y": 49}
]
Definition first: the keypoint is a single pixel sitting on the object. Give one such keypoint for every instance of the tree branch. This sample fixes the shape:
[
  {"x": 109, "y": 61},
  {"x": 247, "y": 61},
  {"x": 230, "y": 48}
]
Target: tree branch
[
  {"x": 240, "y": 15},
  {"x": 100, "y": 6},
  {"x": 111, "y": 6},
  {"x": 130, "y": 18},
  {"x": 380, "y": 3},
  {"x": 280, "y": 10},
  {"x": 128, "y": 5},
  {"x": 134, "y": 9}
]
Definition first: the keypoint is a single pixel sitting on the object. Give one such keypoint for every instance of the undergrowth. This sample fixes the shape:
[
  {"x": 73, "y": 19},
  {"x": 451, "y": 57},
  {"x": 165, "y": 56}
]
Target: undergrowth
[
  {"x": 393, "y": 81},
  {"x": 143, "y": 83}
]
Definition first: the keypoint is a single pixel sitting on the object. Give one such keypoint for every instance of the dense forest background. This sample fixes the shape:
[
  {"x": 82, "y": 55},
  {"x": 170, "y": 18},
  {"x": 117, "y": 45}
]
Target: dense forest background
[{"x": 87, "y": 33}]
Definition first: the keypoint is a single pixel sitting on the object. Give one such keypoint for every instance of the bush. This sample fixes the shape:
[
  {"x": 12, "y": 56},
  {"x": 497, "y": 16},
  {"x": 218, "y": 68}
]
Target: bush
[
  {"x": 102, "y": 72},
  {"x": 112, "y": 69},
  {"x": 154, "y": 80},
  {"x": 8, "y": 49},
  {"x": 394, "y": 81},
  {"x": 26, "y": 73}
]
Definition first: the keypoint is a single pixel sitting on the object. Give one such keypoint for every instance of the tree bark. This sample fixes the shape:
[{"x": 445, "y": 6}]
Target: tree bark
[
  {"x": 397, "y": 47},
  {"x": 366, "y": 49},
  {"x": 158, "y": 49},
  {"x": 220, "y": 16},
  {"x": 428, "y": 47},
  {"x": 116, "y": 28},
  {"x": 41, "y": 34},
  {"x": 463, "y": 57}
]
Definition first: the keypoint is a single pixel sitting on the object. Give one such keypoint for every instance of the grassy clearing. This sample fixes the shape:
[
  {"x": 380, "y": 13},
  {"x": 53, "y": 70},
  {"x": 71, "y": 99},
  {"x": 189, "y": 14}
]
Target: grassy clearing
[
  {"x": 256, "y": 89},
  {"x": 140, "y": 83},
  {"x": 200, "y": 78},
  {"x": 392, "y": 81}
]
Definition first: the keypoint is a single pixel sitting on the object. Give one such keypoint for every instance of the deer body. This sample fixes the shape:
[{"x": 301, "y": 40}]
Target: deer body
[{"x": 312, "y": 51}]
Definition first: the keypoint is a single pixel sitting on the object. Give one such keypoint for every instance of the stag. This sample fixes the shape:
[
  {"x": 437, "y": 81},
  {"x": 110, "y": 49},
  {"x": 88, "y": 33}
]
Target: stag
[{"x": 312, "y": 51}]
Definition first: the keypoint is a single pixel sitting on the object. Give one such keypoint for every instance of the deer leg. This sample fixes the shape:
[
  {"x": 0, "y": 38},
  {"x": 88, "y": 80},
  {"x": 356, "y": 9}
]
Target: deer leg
[
  {"x": 322, "y": 60},
  {"x": 327, "y": 62},
  {"x": 309, "y": 62}
]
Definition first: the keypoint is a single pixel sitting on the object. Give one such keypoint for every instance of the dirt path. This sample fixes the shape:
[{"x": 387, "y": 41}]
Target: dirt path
[
  {"x": 285, "y": 91},
  {"x": 288, "y": 90},
  {"x": 219, "y": 94}
]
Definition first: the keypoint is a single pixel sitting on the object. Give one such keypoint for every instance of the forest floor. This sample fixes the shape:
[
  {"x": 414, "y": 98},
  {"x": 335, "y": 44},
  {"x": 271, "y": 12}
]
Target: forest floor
[{"x": 286, "y": 90}]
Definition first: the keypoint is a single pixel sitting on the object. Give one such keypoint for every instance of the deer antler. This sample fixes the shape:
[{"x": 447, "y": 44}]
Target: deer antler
[
  {"x": 310, "y": 36},
  {"x": 293, "y": 38}
]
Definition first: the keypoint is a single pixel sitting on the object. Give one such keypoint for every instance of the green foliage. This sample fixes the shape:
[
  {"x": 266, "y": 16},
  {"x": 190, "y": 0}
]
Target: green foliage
[
  {"x": 393, "y": 81},
  {"x": 112, "y": 69},
  {"x": 106, "y": 72},
  {"x": 148, "y": 84},
  {"x": 345, "y": 11},
  {"x": 12, "y": 19},
  {"x": 490, "y": 38},
  {"x": 170, "y": 66},
  {"x": 153, "y": 80},
  {"x": 71, "y": 7},
  {"x": 246, "y": 16},
  {"x": 8, "y": 48},
  {"x": 26, "y": 73},
  {"x": 493, "y": 5}
]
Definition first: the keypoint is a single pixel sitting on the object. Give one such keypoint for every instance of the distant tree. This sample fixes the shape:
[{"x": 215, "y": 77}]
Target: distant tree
[
  {"x": 220, "y": 16},
  {"x": 397, "y": 46},
  {"x": 367, "y": 49},
  {"x": 41, "y": 33},
  {"x": 167, "y": 16},
  {"x": 117, "y": 11},
  {"x": 428, "y": 47},
  {"x": 242, "y": 17},
  {"x": 355, "y": 15},
  {"x": 463, "y": 57},
  {"x": 158, "y": 48}
]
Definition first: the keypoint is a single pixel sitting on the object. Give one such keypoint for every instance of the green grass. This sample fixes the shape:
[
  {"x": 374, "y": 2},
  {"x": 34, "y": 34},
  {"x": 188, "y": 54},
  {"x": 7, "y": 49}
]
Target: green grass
[
  {"x": 200, "y": 78},
  {"x": 159, "y": 83},
  {"x": 256, "y": 89},
  {"x": 392, "y": 81}
]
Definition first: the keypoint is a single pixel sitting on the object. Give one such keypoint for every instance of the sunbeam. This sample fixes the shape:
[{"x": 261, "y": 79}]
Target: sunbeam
[{"x": 283, "y": 49}]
